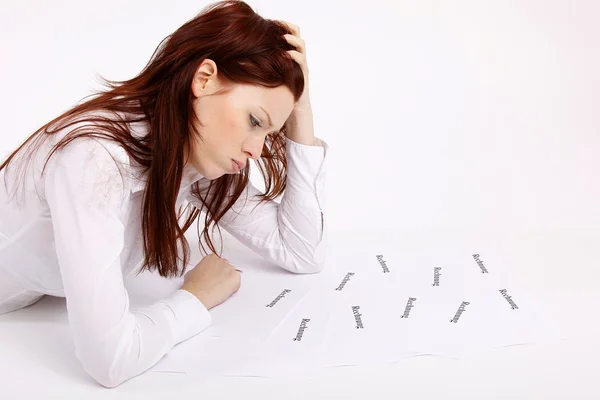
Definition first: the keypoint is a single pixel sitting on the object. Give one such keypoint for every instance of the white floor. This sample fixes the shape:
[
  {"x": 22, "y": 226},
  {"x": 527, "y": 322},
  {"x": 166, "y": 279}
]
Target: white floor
[{"x": 560, "y": 269}]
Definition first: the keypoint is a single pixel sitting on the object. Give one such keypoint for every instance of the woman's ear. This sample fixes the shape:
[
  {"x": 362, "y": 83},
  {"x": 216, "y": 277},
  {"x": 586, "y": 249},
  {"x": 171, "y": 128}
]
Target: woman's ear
[{"x": 204, "y": 78}]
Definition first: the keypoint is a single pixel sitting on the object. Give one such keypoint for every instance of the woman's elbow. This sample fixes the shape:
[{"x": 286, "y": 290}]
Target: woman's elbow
[
  {"x": 105, "y": 375},
  {"x": 314, "y": 268},
  {"x": 105, "y": 366},
  {"x": 309, "y": 265},
  {"x": 108, "y": 382}
]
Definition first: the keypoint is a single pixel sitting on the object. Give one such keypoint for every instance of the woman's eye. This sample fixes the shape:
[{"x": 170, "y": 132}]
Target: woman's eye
[{"x": 254, "y": 121}]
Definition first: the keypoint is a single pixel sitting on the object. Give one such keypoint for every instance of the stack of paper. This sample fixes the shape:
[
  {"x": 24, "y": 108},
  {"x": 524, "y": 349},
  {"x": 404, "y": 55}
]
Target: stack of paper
[{"x": 365, "y": 308}]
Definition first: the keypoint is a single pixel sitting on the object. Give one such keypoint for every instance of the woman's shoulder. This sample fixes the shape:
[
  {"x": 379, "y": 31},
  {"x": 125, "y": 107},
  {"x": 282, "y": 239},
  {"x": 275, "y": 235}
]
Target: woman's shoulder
[
  {"x": 103, "y": 131},
  {"x": 93, "y": 152},
  {"x": 78, "y": 151}
]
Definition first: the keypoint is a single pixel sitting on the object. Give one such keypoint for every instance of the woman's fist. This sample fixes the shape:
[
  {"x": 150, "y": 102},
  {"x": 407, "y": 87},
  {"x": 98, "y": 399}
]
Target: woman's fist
[{"x": 213, "y": 280}]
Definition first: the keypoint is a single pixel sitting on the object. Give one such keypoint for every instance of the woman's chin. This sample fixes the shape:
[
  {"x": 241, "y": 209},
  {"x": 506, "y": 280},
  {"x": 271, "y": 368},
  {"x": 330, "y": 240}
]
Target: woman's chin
[
  {"x": 212, "y": 177},
  {"x": 214, "y": 173},
  {"x": 209, "y": 172}
]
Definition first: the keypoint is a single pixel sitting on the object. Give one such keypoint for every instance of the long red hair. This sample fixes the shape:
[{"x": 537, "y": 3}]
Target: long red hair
[{"x": 247, "y": 48}]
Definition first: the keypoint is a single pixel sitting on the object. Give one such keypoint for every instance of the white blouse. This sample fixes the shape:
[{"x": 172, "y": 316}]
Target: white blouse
[{"x": 77, "y": 232}]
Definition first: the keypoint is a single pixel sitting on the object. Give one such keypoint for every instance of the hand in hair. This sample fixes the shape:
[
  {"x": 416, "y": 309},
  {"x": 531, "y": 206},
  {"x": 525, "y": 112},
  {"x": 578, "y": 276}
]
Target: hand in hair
[
  {"x": 300, "y": 126},
  {"x": 213, "y": 280},
  {"x": 299, "y": 55}
]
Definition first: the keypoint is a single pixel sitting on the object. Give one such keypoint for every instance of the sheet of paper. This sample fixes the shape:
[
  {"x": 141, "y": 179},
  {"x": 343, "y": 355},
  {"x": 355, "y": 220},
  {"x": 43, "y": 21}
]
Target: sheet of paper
[
  {"x": 258, "y": 307},
  {"x": 292, "y": 349}
]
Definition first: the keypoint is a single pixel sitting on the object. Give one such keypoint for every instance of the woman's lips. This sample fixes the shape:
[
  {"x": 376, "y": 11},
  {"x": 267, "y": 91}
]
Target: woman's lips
[{"x": 237, "y": 166}]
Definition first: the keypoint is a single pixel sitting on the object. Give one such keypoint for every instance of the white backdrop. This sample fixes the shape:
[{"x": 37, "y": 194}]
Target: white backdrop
[
  {"x": 481, "y": 115},
  {"x": 446, "y": 119}
]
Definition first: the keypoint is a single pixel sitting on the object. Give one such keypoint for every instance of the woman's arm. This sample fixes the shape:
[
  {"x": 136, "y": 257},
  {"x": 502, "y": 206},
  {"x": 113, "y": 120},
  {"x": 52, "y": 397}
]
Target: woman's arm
[
  {"x": 87, "y": 195},
  {"x": 291, "y": 234}
]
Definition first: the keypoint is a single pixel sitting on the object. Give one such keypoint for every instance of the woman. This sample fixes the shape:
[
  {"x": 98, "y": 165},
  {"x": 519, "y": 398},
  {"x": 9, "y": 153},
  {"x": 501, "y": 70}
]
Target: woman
[{"x": 104, "y": 186}]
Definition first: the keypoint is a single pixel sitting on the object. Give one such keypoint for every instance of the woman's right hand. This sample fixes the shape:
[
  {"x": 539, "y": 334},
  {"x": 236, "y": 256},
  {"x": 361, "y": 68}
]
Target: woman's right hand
[{"x": 213, "y": 280}]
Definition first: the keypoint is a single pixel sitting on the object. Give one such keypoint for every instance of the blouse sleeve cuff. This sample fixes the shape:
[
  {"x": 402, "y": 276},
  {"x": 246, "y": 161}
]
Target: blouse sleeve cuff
[
  {"x": 190, "y": 315},
  {"x": 306, "y": 165}
]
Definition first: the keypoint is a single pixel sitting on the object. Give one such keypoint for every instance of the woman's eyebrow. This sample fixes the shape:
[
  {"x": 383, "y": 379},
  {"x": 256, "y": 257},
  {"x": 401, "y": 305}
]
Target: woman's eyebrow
[
  {"x": 270, "y": 121},
  {"x": 268, "y": 116}
]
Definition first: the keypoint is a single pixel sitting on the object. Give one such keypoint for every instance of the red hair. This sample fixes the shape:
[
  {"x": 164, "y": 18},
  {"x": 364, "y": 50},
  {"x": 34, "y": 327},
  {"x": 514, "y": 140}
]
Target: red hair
[{"x": 247, "y": 48}]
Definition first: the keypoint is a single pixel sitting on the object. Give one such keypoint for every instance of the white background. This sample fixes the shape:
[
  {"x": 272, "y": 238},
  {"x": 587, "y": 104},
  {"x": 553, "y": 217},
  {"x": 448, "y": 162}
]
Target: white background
[{"x": 448, "y": 121}]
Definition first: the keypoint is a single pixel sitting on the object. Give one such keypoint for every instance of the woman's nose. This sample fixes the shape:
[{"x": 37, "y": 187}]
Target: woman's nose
[{"x": 254, "y": 148}]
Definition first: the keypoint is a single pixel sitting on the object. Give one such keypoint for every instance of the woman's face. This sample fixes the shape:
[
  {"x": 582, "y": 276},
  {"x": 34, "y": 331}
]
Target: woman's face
[{"x": 235, "y": 123}]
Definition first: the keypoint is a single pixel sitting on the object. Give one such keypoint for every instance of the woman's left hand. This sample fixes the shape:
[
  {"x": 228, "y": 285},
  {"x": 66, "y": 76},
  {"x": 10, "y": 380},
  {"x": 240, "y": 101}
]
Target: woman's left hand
[{"x": 300, "y": 123}]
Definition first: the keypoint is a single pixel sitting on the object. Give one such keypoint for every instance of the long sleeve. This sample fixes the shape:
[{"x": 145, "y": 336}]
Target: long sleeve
[
  {"x": 87, "y": 195},
  {"x": 292, "y": 233}
]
